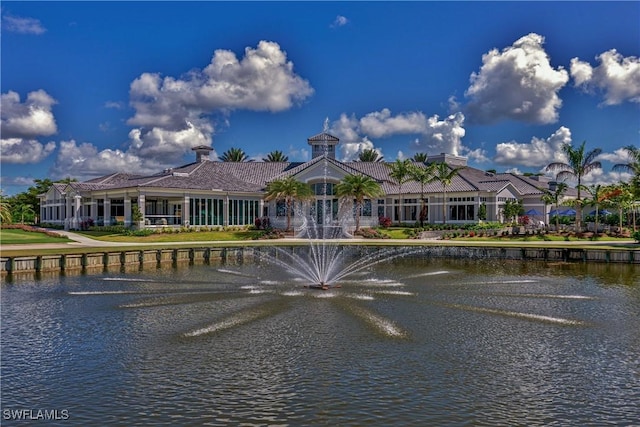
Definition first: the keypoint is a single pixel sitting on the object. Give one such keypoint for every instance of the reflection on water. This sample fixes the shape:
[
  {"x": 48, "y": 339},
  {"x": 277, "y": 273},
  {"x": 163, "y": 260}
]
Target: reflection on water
[{"x": 412, "y": 341}]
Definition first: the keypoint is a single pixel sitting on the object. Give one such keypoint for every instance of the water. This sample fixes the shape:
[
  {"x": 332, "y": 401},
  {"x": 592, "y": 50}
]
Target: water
[{"x": 411, "y": 341}]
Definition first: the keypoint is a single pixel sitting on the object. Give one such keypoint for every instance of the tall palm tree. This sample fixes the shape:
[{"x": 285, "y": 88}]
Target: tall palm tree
[
  {"x": 444, "y": 174},
  {"x": 400, "y": 174},
  {"x": 423, "y": 175},
  {"x": 288, "y": 189},
  {"x": 633, "y": 166},
  {"x": 596, "y": 192},
  {"x": 234, "y": 155},
  {"x": 370, "y": 155},
  {"x": 5, "y": 210},
  {"x": 420, "y": 157},
  {"x": 25, "y": 210},
  {"x": 276, "y": 156},
  {"x": 579, "y": 164},
  {"x": 358, "y": 187},
  {"x": 550, "y": 198}
]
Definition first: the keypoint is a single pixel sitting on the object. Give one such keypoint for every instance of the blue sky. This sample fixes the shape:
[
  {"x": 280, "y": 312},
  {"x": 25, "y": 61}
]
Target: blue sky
[{"x": 89, "y": 88}]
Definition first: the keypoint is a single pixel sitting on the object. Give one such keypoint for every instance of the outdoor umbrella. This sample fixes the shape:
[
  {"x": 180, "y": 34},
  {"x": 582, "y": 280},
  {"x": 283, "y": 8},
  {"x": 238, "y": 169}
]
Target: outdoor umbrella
[
  {"x": 568, "y": 212},
  {"x": 533, "y": 212},
  {"x": 600, "y": 212}
]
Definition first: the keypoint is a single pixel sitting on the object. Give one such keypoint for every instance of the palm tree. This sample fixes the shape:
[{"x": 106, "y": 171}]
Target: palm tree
[
  {"x": 597, "y": 196},
  {"x": 370, "y": 155},
  {"x": 420, "y": 157},
  {"x": 578, "y": 166},
  {"x": 25, "y": 210},
  {"x": 423, "y": 175},
  {"x": 444, "y": 174},
  {"x": 5, "y": 210},
  {"x": 358, "y": 187},
  {"x": 633, "y": 166},
  {"x": 554, "y": 197},
  {"x": 400, "y": 174},
  {"x": 276, "y": 156},
  {"x": 288, "y": 189},
  {"x": 234, "y": 155}
]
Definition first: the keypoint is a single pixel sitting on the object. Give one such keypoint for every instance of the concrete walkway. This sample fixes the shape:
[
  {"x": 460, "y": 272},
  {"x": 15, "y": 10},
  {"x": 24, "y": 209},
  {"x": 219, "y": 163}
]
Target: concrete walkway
[{"x": 79, "y": 240}]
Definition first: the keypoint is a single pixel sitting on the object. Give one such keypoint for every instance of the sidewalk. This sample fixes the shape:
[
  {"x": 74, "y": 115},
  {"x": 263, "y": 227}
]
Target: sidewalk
[{"x": 79, "y": 241}]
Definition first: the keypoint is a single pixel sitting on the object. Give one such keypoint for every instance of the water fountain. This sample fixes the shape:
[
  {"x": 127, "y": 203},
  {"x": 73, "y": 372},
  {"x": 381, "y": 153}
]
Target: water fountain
[{"x": 324, "y": 262}]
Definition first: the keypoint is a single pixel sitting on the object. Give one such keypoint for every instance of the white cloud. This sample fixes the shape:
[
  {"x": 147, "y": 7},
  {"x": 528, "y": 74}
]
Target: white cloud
[
  {"x": 22, "y": 123},
  {"x": 340, "y": 21},
  {"x": 435, "y": 135},
  {"x": 603, "y": 177},
  {"x": 17, "y": 150},
  {"x": 478, "y": 155},
  {"x": 168, "y": 146},
  {"x": 619, "y": 156},
  {"x": 537, "y": 153},
  {"x": 442, "y": 136},
  {"x": 351, "y": 150},
  {"x": 517, "y": 83},
  {"x": 84, "y": 161},
  {"x": 381, "y": 124},
  {"x": 117, "y": 105},
  {"x": 173, "y": 114},
  {"x": 618, "y": 77},
  {"x": 30, "y": 119},
  {"x": 16, "y": 24}
]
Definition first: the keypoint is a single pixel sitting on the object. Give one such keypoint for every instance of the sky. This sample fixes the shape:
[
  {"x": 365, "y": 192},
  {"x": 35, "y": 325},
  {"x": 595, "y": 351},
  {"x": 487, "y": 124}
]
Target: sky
[{"x": 91, "y": 88}]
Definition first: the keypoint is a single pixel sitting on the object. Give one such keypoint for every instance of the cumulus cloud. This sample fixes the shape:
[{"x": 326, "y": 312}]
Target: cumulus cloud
[
  {"x": 604, "y": 177},
  {"x": 340, "y": 21},
  {"x": 381, "y": 124},
  {"x": 169, "y": 145},
  {"x": 616, "y": 76},
  {"x": 173, "y": 114},
  {"x": 516, "y": 83},
  {"x": 85, "y": 161},
  {"x": 537, "y": 153},
  {"x": 442, "y": 136},
  {"x": 619, "y": 156},
  {"x": 15, "y": 150},
  {"x": 29, "y": 119},
  {"x": 478, "y": 155},
  {"x": 16, "y": 24},
  {"x": 21, "y": 123},
  {"x": 435, "y": 135}
]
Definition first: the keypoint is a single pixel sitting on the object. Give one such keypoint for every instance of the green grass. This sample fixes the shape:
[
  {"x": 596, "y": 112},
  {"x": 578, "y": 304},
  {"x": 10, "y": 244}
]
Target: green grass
[
  {"x": 196, "y": 236},
  {"x": 14, "y": 236}
]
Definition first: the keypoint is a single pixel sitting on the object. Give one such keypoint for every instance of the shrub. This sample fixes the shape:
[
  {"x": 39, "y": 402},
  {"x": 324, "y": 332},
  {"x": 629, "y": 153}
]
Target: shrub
[
  {"x": 370, "y": 233},
  {"x": 636, "y": 236},
  {"x": 384, "y": 221}
]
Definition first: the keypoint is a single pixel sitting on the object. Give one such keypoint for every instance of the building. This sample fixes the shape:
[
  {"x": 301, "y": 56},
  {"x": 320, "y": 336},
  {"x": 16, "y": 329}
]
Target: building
[{"x": 209, "y": 193}]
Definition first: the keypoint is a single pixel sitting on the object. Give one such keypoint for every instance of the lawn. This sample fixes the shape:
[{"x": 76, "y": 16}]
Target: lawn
[
  {"x": 196, "y": 236},
  {"x": 15, "y": 236}
]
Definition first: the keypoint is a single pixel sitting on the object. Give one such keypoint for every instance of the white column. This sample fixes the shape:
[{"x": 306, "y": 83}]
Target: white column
[
  {"x": 141, "y": 205},
  {"x": 77, "y": 211},
  {"x": 107, "y": 211},
  {"x": 127, "y": 211},
  {"x": 225, "y": 211},
  {"x": 185, "y": 211}
]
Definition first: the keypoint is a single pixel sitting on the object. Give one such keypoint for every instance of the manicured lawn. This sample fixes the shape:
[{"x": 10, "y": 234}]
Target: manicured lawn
[
  {"x": 14, "y": 236},
  {"x": 196, "y": 236}
]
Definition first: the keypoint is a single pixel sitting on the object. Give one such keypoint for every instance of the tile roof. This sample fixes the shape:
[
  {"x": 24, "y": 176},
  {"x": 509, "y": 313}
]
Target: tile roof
[{"x": 253, "y": 176}]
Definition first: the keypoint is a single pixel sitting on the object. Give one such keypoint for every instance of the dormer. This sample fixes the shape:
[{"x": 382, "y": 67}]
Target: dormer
[{"x": 202, "y": 153}]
